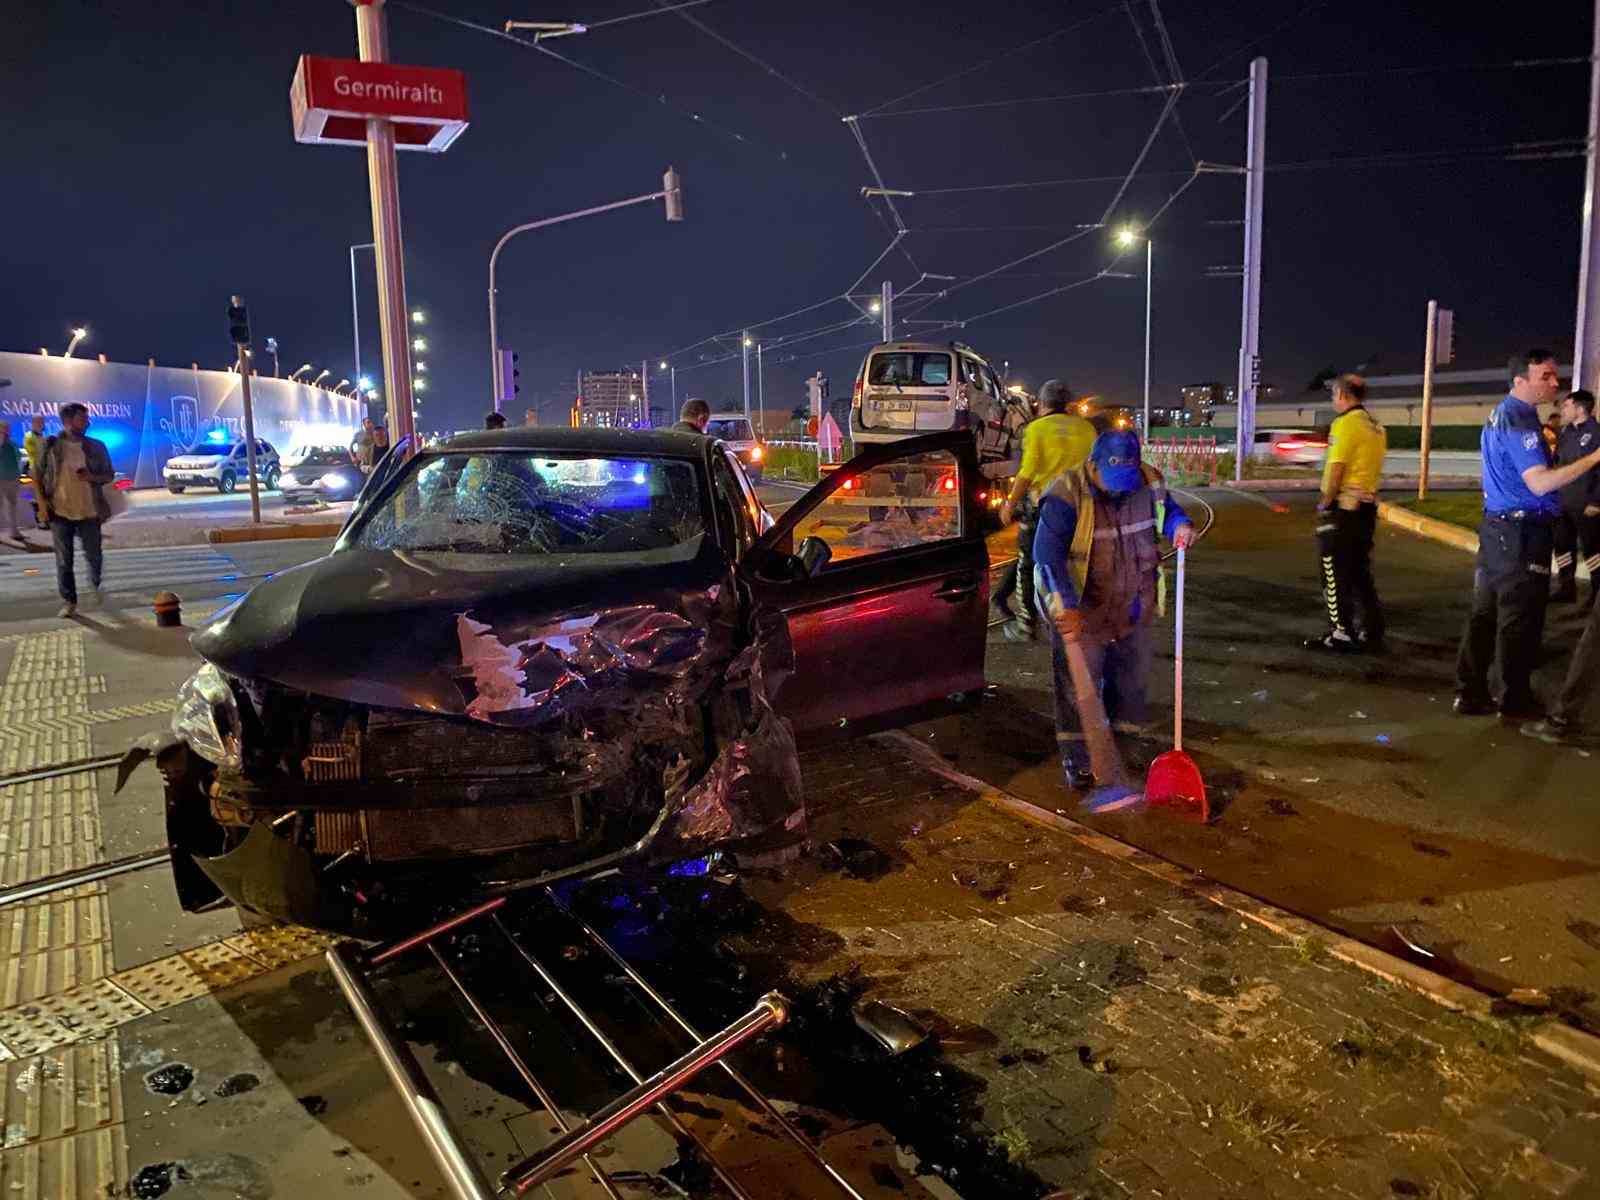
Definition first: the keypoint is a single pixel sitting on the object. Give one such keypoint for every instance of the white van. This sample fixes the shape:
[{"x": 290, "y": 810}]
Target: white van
[{"x": 908, "y": 388}]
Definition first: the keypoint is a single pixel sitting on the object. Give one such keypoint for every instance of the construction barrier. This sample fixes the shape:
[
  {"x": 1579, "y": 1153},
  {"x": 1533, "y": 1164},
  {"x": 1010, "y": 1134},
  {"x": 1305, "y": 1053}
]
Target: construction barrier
[{"x": 1188, "y": 459}]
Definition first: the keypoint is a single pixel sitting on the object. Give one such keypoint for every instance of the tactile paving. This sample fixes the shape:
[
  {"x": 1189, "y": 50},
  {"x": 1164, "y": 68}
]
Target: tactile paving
[
  {"x": 278, "y": 945},
  {"x": 85, "y": 1166},
  {"x": 91, "y": 1011},
  {"x": 162, "y": 983},
  {"x": 53, "y": 946},
  {"x": 219, "y": 965},
  {"x": 67, "y": 1091}
]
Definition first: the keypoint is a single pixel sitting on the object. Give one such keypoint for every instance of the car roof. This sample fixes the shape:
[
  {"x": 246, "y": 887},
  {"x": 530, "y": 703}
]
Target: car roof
[
  {"x": 729, "y": 416},
  {"x": 924, "y": 347},
  {"x": 658, "y": 443}
]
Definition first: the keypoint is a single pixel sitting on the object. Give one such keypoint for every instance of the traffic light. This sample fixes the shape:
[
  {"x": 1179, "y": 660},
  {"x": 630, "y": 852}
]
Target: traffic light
[
  {"x": 238, "y": 322},
  {"x": 510, "y": 376}
]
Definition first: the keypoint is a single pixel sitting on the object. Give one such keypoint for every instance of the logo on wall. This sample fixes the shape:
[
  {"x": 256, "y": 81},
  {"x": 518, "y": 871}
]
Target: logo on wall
[{"x": 184, "y": 426}]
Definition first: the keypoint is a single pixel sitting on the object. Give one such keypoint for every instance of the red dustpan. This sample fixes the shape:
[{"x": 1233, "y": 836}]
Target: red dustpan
[{"x": 1174, "y": 780}]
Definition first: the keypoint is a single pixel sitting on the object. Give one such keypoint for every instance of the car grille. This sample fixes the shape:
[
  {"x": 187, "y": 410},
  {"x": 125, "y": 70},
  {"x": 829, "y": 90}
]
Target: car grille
[{"x": 394, "y": 835}]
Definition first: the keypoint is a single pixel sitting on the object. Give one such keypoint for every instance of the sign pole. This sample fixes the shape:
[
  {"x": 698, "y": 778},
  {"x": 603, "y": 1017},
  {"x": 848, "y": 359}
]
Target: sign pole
[
  {"x": 1427, "y": 399},
  {"x": 1586, "y": 345},
  {"x": 372, "y": 41}
]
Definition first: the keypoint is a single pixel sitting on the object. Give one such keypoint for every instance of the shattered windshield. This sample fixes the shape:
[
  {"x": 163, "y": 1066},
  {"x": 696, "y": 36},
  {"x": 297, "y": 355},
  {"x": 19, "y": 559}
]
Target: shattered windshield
[{"x": 525, "y": 502}]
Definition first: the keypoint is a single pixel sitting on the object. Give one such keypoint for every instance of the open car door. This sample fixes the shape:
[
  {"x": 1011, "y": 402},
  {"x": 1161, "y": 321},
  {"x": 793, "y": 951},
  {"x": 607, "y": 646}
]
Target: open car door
[{"x": 882, "y": 576}]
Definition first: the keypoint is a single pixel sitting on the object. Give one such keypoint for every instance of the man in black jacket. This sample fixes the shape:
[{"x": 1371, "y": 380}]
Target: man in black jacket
[
  {"x": 70, "y": 485},
  {"x": 1578, "y": 529}
]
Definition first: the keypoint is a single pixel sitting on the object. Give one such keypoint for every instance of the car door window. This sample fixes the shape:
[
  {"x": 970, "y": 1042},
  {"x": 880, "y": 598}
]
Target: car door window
[
  {"x": 911, "y": 502},
  {"x": 734, "y": 518},
  {"x": 751, "y": 504},
  {"x": 974, "y": 373}
]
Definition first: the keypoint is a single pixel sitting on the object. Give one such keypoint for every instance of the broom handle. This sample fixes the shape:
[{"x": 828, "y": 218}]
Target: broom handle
[{"x": 1177, "y": 688}]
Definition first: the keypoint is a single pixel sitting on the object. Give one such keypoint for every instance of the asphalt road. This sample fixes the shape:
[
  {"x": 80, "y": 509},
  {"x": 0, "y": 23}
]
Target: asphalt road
[{"x": 1349, "y": 790}]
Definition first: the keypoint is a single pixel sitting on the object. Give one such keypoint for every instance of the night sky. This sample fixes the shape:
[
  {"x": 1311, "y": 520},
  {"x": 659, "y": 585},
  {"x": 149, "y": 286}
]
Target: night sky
[{"x": 149, "y": 170}]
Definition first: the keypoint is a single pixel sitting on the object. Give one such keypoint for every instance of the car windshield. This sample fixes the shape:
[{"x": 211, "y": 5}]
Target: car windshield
[
  {"x": 317, "y": 456},
  {"x": 730, "y": 429},
  {"x": 909, "y": 370},
  {"x": 528, "y": 503}
]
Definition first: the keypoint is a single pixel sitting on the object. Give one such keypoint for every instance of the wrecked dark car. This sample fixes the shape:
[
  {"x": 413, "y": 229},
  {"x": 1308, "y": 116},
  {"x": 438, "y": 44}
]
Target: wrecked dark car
[{"x": 543, "y": 653}]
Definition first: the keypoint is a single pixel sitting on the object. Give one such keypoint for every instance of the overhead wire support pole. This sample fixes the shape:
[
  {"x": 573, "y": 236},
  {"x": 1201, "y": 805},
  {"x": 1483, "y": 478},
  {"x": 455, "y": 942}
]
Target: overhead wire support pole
[
  {"x": 1586, "y": 342},
  {"x": 1250, "y": 309}
]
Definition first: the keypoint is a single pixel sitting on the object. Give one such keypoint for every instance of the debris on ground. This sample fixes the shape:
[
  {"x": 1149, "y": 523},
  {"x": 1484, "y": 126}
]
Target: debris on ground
[
  {"x": 896, "y": 1030},
  {"x": 856, "y": 857}
]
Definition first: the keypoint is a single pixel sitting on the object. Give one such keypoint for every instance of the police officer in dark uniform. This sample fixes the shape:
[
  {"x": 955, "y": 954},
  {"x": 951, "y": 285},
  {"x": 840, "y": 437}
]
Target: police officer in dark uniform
[
  {"x": 1510, "y": 584},
  {"x": 1578, "y": 529}
]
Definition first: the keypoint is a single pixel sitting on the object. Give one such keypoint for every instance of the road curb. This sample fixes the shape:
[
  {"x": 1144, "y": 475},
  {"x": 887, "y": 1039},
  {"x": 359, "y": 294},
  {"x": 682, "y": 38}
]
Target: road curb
[
  {"x": 1572, "y": 1046},
  {"x": 274, "y": 533},
  {"x": 1393, "y": 482},
  {"x": 1428, "y": 527}
]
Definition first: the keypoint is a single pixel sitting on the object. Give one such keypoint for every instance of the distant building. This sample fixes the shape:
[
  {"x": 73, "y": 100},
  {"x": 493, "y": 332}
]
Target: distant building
[
  {"x": 1459, "y": 398},
  {"x": 612, "y": 400}
]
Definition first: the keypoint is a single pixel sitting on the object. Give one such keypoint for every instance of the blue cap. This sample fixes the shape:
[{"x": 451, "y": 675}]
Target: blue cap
[{"x": 1116, "y": 460}]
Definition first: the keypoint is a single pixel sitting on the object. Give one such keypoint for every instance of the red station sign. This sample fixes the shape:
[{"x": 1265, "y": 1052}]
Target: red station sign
[{"x": 331, "y": 100}]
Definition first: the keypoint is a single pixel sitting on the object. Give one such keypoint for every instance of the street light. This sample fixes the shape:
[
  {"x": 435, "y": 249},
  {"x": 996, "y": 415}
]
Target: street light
[
  {"x": 295, "y": 374},
  {"x": 1126, "y": 238},
  {"x": 875, "y": 307},
  {"x": 419, "y": 344},
  {"x": 421, "y": 366},
  {"x": 78, "y": 335},
  {"x": 325, "y": 373},
  {"x": 547, "y": 29},
  {"x": 364, "y": 383},
  {"x": 671, "y": 194},
  {"x": 418, "y": 317},
  {"x": 355, "y": 312},
  {"x": 339, "y": 387}
]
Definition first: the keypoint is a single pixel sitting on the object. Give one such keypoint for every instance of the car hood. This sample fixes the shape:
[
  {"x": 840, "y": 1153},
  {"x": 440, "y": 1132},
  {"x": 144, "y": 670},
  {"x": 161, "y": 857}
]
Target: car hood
[{"x": 508, "y": 643}]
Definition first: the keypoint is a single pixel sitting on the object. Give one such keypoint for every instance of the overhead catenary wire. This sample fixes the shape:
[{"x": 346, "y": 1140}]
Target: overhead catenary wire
[
  {"x": 989, "y": 62},
  {"x": 663, "y": 10},
  {"x": 1014, "y": 101},
  {"x": 1174, "y": 76},
  {"x": 747, "y": 55}
]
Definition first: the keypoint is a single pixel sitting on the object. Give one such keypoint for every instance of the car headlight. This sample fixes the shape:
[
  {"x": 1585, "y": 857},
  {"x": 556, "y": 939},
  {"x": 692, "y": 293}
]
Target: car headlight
[
  {"x": 334, "y": 481},
  {"x": 208, "y": 718},
  {"x": 757, "y": 454},
  {"x": 288, "y": 480}
]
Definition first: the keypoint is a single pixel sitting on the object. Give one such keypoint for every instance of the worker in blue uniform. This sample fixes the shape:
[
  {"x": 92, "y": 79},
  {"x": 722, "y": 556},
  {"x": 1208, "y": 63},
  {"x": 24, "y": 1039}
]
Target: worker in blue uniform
[{"x": 1511, "y": 579}]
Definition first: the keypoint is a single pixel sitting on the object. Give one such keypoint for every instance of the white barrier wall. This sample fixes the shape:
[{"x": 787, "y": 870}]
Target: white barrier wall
[{"x": 148, "y": 414}]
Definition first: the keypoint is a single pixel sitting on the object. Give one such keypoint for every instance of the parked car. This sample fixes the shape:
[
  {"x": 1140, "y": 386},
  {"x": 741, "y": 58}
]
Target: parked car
[
  {"x": 908, "y": 388},
  {"x": 541, "y": 653},
  {"x": 1290, "y": 447},
  {"x": 735, "y": 432},
  {"x": 320, "y": 473},
  {"x": 221, "y": 465}
]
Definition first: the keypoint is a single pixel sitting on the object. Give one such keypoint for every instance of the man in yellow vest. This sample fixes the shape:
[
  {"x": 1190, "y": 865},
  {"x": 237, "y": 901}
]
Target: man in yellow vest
[
  {"x": 1053, "y": 443},
  {"x": 1097, "y": 553},
  {"x": 1347, "y": 520}
]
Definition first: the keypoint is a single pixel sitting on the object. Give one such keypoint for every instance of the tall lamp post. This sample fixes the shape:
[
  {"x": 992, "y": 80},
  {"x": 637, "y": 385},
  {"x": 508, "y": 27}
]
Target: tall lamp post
[
  {"x": 671, "y": 192},
  {"x": 1126, "y": 237},
  {"x": 355, "y": 311}
]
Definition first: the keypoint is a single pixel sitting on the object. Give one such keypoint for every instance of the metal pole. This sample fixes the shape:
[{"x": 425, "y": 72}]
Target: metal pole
[
  {"x": 1149, "y": 286},
  {"x": 674, "y": 393},
  {"x": 383, "y": 180},
  {"x": 1427, "y": 398},
  {"x": 761, "y": 391},
  {"x": 1250, "y": 317},
  {"x": 644, "y": 392},
  {"x": 888, "y": 311},
  {"x": 770, "y": 1011},
  {"x": 1586, "y": 344},
  {"x": 249, "y": 426},
  {"x": 744, "y": 349},
  {"x": 416, "y": 1093},
  {"x": 355, "y": 308}
]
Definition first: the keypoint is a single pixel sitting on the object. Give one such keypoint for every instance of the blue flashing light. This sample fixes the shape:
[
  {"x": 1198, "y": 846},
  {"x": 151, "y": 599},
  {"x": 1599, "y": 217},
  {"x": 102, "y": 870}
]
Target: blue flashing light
[
  {"x": 217, "y": 435},
  {"x": 638, "y": 476}
]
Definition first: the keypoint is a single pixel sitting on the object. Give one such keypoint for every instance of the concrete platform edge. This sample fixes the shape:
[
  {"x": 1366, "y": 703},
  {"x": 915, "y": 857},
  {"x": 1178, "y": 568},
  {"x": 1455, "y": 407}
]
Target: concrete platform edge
[
  {"x": 1428, "y": 527},
  {"x": 1572, "y": 1046},
  {"x": 273, "y": 533}
]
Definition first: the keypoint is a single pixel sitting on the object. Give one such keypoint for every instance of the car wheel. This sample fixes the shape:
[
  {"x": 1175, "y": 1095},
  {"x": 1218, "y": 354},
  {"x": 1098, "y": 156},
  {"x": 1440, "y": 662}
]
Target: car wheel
[
  {"x": 226, "y": 483},
  {"x": 174, "y": 489},
  {"x": 272, "y": 479}
]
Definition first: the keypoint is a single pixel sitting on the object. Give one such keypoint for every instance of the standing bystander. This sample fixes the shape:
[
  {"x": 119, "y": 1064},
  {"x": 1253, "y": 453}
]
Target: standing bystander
[
  {"x": 693, "y": 417},
  {"x": 1578, "y": 527},
  {"x": 1347, "y": 521},
  {"x": 68, "y": 483},
  {"x": 1053, "y": 443},
  {"x": 10, "y": 480},
  {"x": 1511, "y": 580},
  {"x": 33, "y": 447}
]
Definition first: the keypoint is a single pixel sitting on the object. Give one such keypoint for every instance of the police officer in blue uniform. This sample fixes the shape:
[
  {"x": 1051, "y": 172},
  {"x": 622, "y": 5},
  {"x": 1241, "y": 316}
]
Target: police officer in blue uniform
[{"x": 1511, "y": 582}]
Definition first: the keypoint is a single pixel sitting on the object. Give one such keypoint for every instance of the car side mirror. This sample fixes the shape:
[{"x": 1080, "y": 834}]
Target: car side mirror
[{"x": 813, "y": 555}]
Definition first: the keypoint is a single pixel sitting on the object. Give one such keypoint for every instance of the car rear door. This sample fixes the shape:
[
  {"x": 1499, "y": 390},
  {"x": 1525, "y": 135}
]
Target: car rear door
[{"x": 894, "y": 622}]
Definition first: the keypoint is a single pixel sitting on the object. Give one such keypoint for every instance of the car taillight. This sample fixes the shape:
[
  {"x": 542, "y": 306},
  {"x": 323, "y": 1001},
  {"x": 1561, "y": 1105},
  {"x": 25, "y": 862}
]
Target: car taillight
[
  {"x": 949, "y": 483},
  {"x": 849, "y": 485},
  {"x": 855, "y": 395},
  {"x": 123, "y": 485}
]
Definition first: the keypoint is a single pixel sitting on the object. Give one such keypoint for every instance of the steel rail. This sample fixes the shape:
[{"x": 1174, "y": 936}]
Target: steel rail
[
  {"x": 769, "y": 1012},
  {"x": 34, "y": 888},
  {"x": 416, "y": 1093},
  {"x": 620, "y": 1059},
  {"x": 732, "y": 1072},
  {"x": 538, "y": 1089},
  {"x": 73, "y": 767}
]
